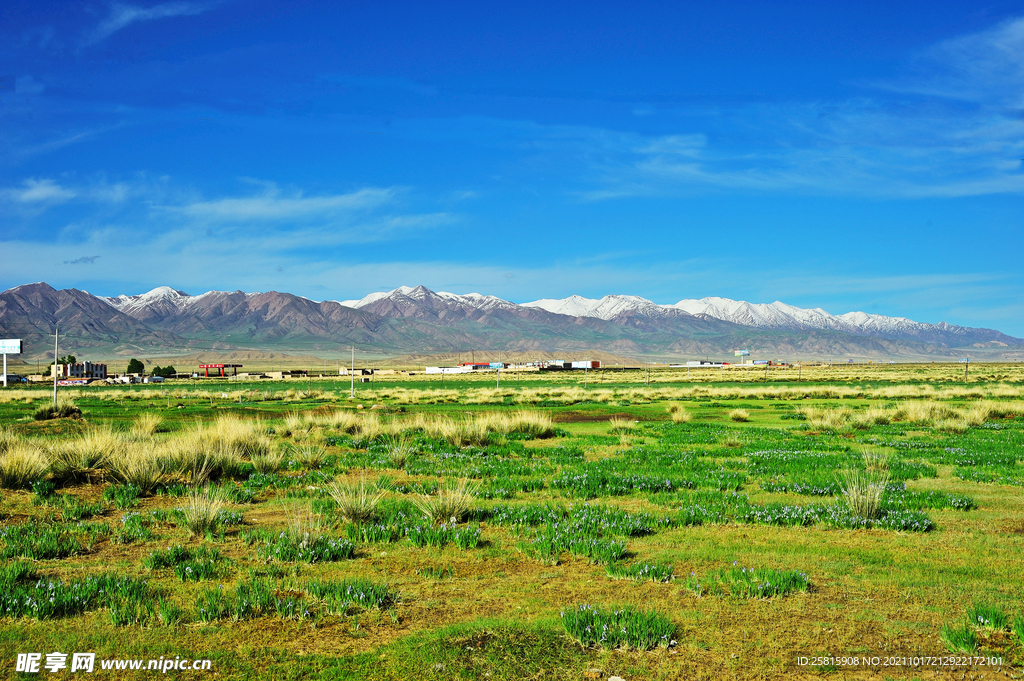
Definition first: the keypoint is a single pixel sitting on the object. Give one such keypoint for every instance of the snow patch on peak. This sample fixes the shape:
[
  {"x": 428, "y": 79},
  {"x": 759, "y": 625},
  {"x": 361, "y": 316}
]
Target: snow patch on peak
[{"x": 605, "y": 308}]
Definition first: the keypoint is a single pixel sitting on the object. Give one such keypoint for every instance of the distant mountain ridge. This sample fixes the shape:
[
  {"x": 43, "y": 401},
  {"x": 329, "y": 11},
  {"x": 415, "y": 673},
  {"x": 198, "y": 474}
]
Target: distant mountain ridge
[
  {"x": 779, "y": 315},
  {"x": 416, "y": 319}
]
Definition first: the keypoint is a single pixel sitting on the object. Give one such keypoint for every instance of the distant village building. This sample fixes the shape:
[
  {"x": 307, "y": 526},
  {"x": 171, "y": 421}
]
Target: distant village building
[{"x": 81, "y": 370}]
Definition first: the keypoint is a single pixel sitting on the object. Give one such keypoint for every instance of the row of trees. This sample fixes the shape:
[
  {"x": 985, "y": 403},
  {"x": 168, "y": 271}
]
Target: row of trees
[{"x": 137, "y": 367}]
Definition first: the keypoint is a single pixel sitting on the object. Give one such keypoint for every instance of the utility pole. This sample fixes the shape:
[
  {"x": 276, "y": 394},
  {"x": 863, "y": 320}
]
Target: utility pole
[
  {"x": 498, "y": 382},
  {"x": 352, "y": 375},
  {"x": 966, "y": 364},
  {"x": 56, "y": 331}
]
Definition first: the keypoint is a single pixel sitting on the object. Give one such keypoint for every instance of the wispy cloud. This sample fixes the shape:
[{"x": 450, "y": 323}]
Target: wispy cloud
[
  {"x": 983, "y": 66},
  {"x": 35, "y": 191},
  {"x": 124, "y": 15},
  {"x": 84, "y": 260},
  {"x": 273, "y": 206}
]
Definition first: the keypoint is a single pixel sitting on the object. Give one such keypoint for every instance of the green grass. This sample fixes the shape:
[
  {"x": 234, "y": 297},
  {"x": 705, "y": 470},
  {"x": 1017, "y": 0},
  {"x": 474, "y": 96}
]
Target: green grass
[
  {"x": 619, "y": 627},
  {"x": 961, "y": 639},
  {"x": 570, "y": 519}
]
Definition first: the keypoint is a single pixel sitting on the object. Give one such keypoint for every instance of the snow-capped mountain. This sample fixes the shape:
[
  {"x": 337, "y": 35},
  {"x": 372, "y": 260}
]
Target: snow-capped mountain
[
  {"x": 608, "y": 307},
  {"x": 421, "y": 294},
  {"x": 778, "y": 316},
  {"x": 416, "y": 319}
]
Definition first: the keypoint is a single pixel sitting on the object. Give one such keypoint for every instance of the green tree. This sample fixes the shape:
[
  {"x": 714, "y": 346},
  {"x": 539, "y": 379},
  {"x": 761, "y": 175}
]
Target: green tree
[
  {"x": 167, "y": 371},
  {"x": 135, "y": 367}
]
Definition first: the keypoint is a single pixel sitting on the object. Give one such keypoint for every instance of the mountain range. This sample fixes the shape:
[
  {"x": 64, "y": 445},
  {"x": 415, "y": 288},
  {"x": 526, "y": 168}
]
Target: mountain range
[{"x": 416, "y": 319}]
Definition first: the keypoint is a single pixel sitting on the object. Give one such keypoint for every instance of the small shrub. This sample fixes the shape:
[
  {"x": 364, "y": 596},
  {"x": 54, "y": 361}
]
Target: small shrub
[
  {"x": 739, "y": 415},
  {"x": 624, "y": 627}
]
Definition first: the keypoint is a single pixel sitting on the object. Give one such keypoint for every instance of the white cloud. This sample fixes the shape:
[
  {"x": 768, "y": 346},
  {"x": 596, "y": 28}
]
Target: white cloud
[
  {"x": 38, "y": 192},
  {"x": 983, "y": 66},
  {"x": 272, "y": 206},
  {"x": 123, "y": 15}
]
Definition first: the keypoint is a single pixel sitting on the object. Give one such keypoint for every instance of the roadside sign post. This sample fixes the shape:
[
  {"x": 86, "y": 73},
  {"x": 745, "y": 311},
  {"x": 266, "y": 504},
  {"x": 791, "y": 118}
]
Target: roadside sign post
[{"x": 10, "y": 346}]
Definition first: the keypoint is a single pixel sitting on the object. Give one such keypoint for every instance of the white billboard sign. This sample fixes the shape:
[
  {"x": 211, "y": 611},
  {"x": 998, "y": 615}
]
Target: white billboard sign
[{"x": 10, "y": 346}]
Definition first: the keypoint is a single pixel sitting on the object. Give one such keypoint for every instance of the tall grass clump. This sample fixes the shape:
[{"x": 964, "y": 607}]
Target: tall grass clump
[
  {"x": 309, "y": 456},
  {"x": 450, "y": 503},
  {"x": 356, "y": 503},
  {"x": 864, "y": 491},
  {"x": 64, "y": 409},
  {"x": 739, "y": 415},
  {"x": 138, "y": 465},
  {"x": 624, "y": 627},
  {"x": 271, "y": 462},
  {"x": 535, "y": 423},
  {"x": 618, "y": 425},
  {"x": 82, "y": 457},
  {"x": 678, "y": 413},
  {"x": 818, "y": 418},
  {"x": 147, "y": 424},
  {"x": 21, "y": 464},
  {"x": 201, "y": 511},
  {"x": 399, "y": 449}
]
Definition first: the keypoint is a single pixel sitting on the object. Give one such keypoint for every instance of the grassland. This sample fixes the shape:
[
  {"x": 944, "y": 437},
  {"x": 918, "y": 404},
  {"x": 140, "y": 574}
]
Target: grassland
[{"x": 720, "y": 528}]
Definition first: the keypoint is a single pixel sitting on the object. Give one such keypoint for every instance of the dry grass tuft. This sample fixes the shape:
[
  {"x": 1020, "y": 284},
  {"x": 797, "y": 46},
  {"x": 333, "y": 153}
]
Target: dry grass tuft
[
  {"x": 271, "y": 462},
  {"x": 147, "y": 424},
  {"x": 678, "y": 413},
  {"x": 138, "y": 464},
  {"x": 864, "y": 491},
  {"x": 450, "y": 503},
  {"x": 399, "y": 448},
  {"x": 356, "y": 503},
  {"x": 739, "y": 415},
  {"x": 201, "y": 510},
  {"x": 618, "y": 425},
  {"x": 21, "y": 464}
]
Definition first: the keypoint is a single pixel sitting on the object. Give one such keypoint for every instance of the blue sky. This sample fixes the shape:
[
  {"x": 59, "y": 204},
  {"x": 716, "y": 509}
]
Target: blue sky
[{"x": 865, "y": 157}]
